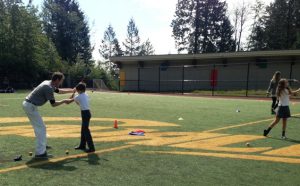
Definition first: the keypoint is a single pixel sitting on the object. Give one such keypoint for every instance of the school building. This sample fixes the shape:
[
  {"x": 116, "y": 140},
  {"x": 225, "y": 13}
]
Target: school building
[{"x": 219, "y": 71}]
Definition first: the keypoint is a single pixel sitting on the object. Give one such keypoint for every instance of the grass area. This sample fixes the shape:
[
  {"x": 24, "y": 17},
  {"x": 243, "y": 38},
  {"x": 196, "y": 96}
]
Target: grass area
[
  {"x": 261, "y": 93},
  {"x": 242, "y": 93},
  {"x": 136, "y": 165}
]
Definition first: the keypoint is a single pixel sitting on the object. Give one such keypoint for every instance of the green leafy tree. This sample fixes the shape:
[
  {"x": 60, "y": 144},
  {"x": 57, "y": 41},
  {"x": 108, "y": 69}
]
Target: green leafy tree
[{"x": 26, "y": 54}]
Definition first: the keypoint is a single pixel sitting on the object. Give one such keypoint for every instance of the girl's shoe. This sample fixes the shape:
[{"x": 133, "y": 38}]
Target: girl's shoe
[
  {"x": 266, "y": 132},
  {"x": 283, "y": 137}
]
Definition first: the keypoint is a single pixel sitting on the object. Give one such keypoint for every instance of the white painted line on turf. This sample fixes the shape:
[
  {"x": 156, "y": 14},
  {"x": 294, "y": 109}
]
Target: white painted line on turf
[{"x": 243, "y": 124}]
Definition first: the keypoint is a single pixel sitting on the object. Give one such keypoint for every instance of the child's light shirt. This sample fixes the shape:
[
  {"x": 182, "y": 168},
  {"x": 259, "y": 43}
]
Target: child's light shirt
[{"x": 83, "y": 100}]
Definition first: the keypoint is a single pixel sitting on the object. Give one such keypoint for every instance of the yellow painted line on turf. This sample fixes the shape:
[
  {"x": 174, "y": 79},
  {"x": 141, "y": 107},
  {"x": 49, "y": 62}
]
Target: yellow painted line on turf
[
  {"x": 217, "y": 144},
  {"x": 233, "y": 156},
  {"x": 55, "y": 160},
  {"x": 293, "y": 151},
  {"x": 125, "y": 122},
  {"x": 244, "y": 124}
]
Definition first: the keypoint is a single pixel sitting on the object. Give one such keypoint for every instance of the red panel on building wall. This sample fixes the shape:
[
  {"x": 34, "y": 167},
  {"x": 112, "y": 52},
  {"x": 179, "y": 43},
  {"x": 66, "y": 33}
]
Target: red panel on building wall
[{"x": 214, "y": 78}]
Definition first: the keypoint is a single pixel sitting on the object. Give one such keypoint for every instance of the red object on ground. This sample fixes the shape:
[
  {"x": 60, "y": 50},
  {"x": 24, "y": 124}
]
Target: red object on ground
[
  {"x": 140, "y": 131},
  {"x": 116, "y": 124}
]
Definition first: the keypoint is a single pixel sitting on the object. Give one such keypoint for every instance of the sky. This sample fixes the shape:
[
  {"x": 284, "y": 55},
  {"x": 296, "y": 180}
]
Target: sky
[{"x": 152, "y": 18}]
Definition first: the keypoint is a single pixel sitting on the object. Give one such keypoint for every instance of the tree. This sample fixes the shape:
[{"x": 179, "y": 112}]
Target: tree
[
  {"x": 132, "y": 42},
  {"x": 66, "y": 26},
  {"x": 236, "y": 16},
  {"x": 181, "y": 24},
  {"x": 147, "y": 49},
  {"x": 281, "y": 24},
  {"x": 226, "y": 42},
  {"x": 297, "y": 7},
  {"x": 257, "y": 37},
  {"x": 240, "y": 18},
  {"x": 197, "y": 24},
  {"x": 26, "y": 53},
  {"x": 109, "y": 47}
]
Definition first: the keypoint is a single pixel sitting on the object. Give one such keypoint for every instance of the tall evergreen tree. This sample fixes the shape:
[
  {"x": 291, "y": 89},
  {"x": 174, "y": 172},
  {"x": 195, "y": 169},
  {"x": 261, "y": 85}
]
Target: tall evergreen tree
[
  {"x": 257, "y": 37},
  {"x": 109, "y": 47},
  {"x": 297, "y": 7},
  {"x": 197, "y": 24},
  {"x": 226, "y": 42},
  {"x": 181, "y": 24},
  {"x": 281, "y": 29},
  {"x": 132, "y": 42},
  {"x": 66, "y": 26},
  {"x": 147, "y": 48}
]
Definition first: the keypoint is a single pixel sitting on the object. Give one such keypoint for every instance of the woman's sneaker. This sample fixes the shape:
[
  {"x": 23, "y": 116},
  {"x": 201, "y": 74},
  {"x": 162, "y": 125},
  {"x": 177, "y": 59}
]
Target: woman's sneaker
[
  {"x": 266, "y": 132},
  {"x": 283, "y": 137}
]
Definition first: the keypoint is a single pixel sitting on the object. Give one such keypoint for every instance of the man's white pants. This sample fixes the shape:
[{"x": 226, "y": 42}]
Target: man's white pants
[{"x": 38, "y": 126}]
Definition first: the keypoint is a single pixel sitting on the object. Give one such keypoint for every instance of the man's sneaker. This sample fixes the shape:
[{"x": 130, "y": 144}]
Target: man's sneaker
[
  {"x": 48, "y": 147},
  {"x": 283, "y": 137},
  {"x": 44, "y": 156},
  {"x": 266, "y": 132},
  {"x": 80, "y": 148}
]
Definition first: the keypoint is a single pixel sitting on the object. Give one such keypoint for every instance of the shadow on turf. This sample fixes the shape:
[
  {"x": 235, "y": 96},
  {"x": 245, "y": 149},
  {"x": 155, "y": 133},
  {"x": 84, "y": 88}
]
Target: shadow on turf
[
  {"x": 93, "y": 159},
  {"x": 288, "y": 140},
  {"x": 52, "y": 166}
]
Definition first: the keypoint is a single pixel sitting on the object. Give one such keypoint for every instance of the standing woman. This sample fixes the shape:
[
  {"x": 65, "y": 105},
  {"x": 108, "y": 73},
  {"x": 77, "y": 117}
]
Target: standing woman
[{"x": 272, "y": 90}]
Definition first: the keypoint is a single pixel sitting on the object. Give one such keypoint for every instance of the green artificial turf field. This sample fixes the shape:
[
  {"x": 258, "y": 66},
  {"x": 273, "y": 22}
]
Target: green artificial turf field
[{"x": 188, "y": 141}]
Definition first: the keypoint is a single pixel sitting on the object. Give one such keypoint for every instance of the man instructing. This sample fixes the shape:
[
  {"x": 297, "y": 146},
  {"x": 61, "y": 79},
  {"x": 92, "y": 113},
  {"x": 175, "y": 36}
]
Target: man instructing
[{"x": 38, "y": 97}]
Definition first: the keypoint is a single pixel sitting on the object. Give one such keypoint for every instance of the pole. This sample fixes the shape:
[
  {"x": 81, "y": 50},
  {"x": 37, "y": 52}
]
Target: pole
[
  {"x": 247, "y": 83},
  {"x": 138, "y": 79},
  {"x": 182, "y": 82},
  {"x": 213, "y": 80},
  {"x": 159, "y": 79},
  {"x": 119, "y": 84},
  {"x": 291, "y": 70}
]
